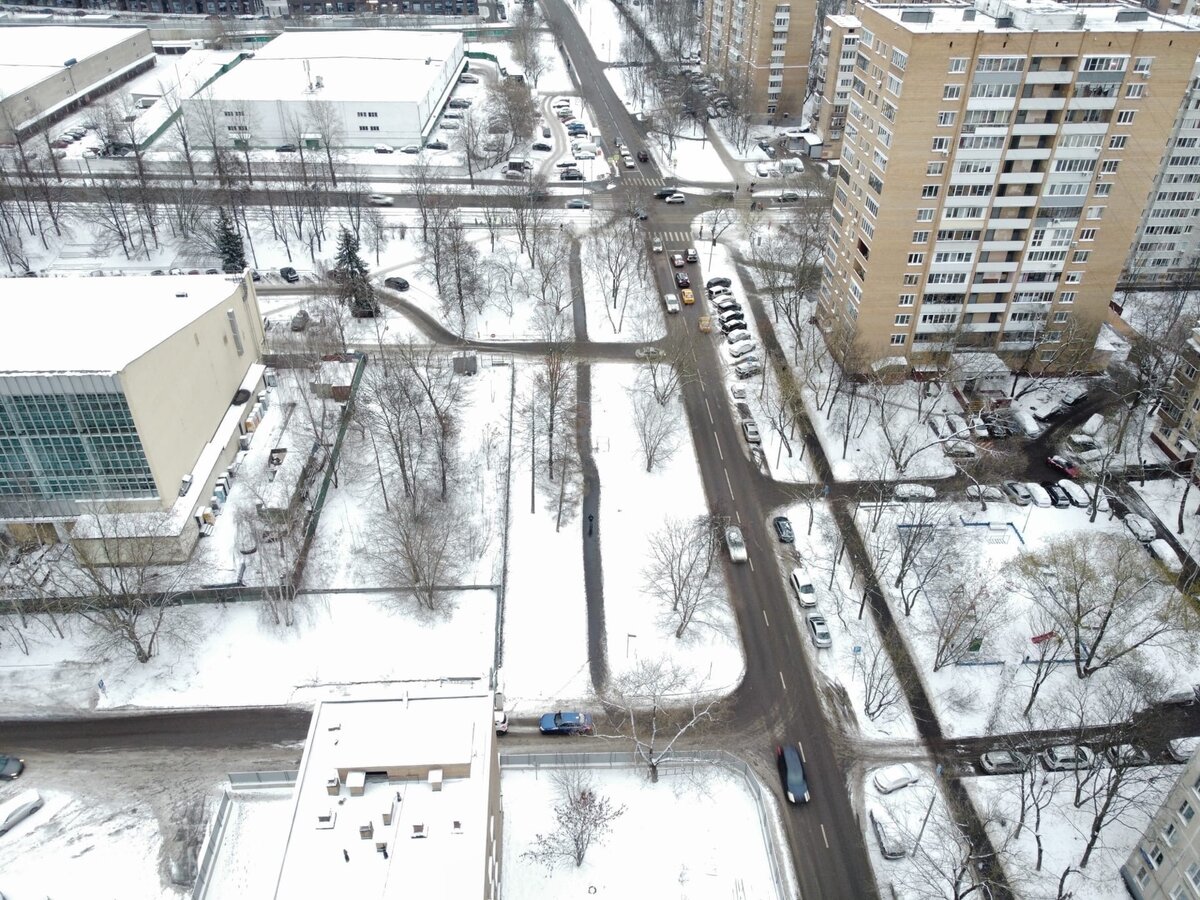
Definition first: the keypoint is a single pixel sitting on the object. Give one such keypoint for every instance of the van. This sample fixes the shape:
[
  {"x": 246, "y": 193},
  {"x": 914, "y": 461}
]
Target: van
[
  {"x": 887, "y": 834},
  {"x": 1162, "y": 551},
  {"x": 520, "y": 164},
  {"x": 802, "y": 584}
]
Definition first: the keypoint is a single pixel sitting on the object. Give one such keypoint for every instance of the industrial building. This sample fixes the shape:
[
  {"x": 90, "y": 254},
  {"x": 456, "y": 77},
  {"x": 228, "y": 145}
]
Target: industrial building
[
  {"x": 122, "y": 395},
  {"x": 355, "y": 88},
  {"x": 995, "y": 162},
  {"x": 48, "y": 71},
  {"x": 397, "y": 798}
]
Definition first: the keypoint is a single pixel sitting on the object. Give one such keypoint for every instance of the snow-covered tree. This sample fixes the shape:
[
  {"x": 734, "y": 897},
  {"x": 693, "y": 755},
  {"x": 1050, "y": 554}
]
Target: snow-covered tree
[
  {"x": 229, "y": 243},
  {"x": 583, "y": 817},
  {"x": 351, "y": 276}
]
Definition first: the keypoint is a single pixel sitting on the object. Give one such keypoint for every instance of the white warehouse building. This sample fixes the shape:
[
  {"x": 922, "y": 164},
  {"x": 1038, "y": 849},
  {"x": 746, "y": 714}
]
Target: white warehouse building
[{"x": 361, "y": 87}]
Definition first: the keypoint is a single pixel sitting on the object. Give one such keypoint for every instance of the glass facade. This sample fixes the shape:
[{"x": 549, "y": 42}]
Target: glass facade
[{"x": 59, "y": 448}]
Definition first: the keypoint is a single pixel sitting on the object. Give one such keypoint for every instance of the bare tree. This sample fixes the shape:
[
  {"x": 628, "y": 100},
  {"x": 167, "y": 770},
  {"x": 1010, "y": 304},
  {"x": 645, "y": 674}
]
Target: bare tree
[
  {"x": 656, "y": 426},
  {"x": 421, "y": 547},
  {"x": 945, "y": 864},
  {"x": 324, "y": 120},
  {"x": 883, "y": 691},
  {"x": 680, "y": 574},
  {"x": 525, "y": 36},
  {"x": 963, "y": 609},
  {"x": 654, "y": 704},
  {"x": 582, "y": 816}
]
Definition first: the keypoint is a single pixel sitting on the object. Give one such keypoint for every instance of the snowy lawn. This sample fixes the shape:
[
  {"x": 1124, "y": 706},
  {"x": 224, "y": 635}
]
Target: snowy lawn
[
  {"x": 693, "y": 157},
  {"x": 915, "y": 876},
  {"x": 604, "y": 26},
  {"x": 702, "y": 857},
  {"x": 247, "y": 863},
  {"x": 1163, "y": 496},
  {"x": 634, "y": 504},
  {"x": 637, "y": 315}
]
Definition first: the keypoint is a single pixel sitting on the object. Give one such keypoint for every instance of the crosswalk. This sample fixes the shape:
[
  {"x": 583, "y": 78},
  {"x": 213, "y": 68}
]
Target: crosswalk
[
  {"x": 639, "y": 180},
  {"x": 676, "y": 235}
]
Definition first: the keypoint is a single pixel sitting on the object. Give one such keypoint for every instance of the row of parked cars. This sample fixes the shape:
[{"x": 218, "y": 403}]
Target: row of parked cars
[{"x": 730, "y": 318}]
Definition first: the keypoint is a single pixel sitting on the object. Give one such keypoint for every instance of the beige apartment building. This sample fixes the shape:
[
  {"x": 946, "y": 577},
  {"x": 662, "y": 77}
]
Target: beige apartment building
[
  {"x": 995, "y": 164},
  {"x": 1165, "y": 863},
  {"x": 839, "y": 52},
  {"x": 768, "y": 44}
]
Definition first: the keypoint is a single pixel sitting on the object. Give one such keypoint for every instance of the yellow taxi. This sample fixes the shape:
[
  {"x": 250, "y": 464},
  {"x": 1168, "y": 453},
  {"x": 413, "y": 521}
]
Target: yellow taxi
[{"x": 687, "y": 296}]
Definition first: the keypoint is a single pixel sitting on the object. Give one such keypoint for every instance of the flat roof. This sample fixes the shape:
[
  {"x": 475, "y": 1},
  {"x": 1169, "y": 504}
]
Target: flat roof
[
  {"x": 81, "y": 324},
  {"x": 449, "y": 729},
  {"x": 1037, "y": 15},
  {"x": 385, "y": 65},
  {"x": 33, "y": 53}
]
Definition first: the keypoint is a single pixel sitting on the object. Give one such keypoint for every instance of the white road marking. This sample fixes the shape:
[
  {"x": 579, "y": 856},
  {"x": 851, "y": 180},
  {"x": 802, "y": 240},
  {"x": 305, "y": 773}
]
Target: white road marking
[
  {"x": 711, "y": 421},
  {"x": 719, "y": 453},
  {"x": 824, "y": 836},
  {"x": 729, "y": 484},
  {"x": 800, "y": 745},
  {"x": 781, "y": 681},
  {"x": 765, "y": 619},
  {"x": 751, "y": 563}
]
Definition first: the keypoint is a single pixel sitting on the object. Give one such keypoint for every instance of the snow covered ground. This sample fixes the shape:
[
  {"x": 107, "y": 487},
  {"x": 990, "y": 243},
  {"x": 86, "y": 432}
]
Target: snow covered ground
[
  {"x": 1163, "y": 496},
  {"x": 604, "y": 26}
]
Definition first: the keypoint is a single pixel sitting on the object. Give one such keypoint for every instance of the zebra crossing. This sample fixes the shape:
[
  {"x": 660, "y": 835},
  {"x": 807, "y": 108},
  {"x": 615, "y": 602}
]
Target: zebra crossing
[
  {"x": 676, "y": 235},
  {"x": 641, "y": 180}
]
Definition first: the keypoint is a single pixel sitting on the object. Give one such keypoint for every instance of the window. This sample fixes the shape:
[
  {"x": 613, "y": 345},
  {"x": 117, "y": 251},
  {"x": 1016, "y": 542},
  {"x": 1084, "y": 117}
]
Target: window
[
  {"x": 1000, "y": 64},
  {"x": 1095, "y": 212},
  {"x": 907, "y": 300},
  {"x": 898, "y": 339},
  {"x": 1104, "y": 64},
  {"x": 1134, "y": 91},
  {"x": 946, "y": 118},
  {"x": 1169, "y": 834},
  {"x": 1141, "y": 65},
  {"x": 1073, "y": 278},
  {"x": 930, "y": 190},
  {"x": 899, "y": 59},
  {"x": 920, "y": 237},
  {"x": 1104, "y": 189},
  {"x": 1186, "y": 812},
  {"x": 1061, "y": 317},
  {"x": 925, "y": 214},
  {"x": 1125, "y": 116},
  {"x": 903, "y": 319},
  {"x": 1081, "y": 256},
  {"x": 894, "y": 85},
  {"x": 1193, "y": 875},
  {"x": 910, "y": 279},
  {"x": 941, "y": 145},
  {"x": 1087, "y": 234},
  {"x": 916, "y": 259},
  {"x": 951, "y": 91},
  {"x": 1117, "y": 141},
  {"x": 1154, "y": 856},
  {"x": 958, "y": 64},
  {"x": 939, "y": 318},
  {"x": 1179, "y": 892},
  {"x": 935, "y": 168}
]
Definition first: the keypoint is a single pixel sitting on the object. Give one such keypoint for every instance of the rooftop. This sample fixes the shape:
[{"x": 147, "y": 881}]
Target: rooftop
[
  {"x": 437, "y": 751},
  {"x": 377, "y": 65},
  {"x": 1004, "y": 16},
  {"x": 30, "y": 54},
  {"x": 98, "y": 324}
]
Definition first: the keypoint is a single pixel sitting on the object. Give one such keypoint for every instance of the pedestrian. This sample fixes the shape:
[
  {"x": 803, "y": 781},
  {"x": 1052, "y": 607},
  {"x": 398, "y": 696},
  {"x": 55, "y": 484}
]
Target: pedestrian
[
  {"x": 736, "y": 188},
  {"x": 346, "y": 854}
]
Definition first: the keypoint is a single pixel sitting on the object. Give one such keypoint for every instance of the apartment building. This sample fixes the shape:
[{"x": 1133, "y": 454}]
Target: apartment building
[
  {"x": 1165, "y": 863},
  {"x": 995, "y": 162},
  {"x": 761, "y": 48},
  {"x": 839, "y": 51},
  {"x": 1177, "y": 426}
]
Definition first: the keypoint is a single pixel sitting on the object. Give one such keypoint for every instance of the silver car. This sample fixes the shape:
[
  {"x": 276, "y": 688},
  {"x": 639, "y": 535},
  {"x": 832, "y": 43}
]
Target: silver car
[
  {"x": 736, "y": 544},
  {"x": 818, "y": 630},
  {"x": 19, "y": 808}
]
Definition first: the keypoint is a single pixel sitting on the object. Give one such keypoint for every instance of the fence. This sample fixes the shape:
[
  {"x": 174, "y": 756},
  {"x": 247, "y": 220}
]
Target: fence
[
  {"x": 210, "y": 848},
  {"x": 248, "y": 780},
  {"x": 781, "y": 872}
]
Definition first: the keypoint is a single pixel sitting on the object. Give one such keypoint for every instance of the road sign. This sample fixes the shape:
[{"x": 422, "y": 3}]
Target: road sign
[{"x": 857, "y": 649}]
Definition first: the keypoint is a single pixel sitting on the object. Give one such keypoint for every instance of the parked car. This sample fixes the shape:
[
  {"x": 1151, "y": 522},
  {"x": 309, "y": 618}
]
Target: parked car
[
  {"x": 1004, "y": 762},
  {"x": 801, "y": 582},
  {"x": 789, "y": 196},
  {"x": 732, "y": 325},
  {"x": 1181, "y": 749},
  {"x": 468, "y": 78},
  {"x": 939, "y": 426},
  {"x": 570, "y": 175},
  {"x": 1075, "y": 395},
  {"x": 384, "y": 148},
  {"x": 1058, "y": 497},
  {"x": 379, "y": 200},
  {"x": 459, "y": 103},
  {"x": 736, "y": 544},
  {"x": 726, "y": 303},
  {"x": 959, "y": 449},
  {"x": 11, "y": 767},
  {"x": 682, "y": 280},
  {"x": 1063, "y": 465},
  {"x": 893, "y": 778},
  {"x": 300, "y": 320},
  {"x": 740, "y": 345},
  {"x": 1162, "y": 551},
  {"x": 19, "y": 808},
  {"x": 286, "y": 148},
  {"x": 541, "y": 147},
  {"x": 1098, "y": 495},
  {"x": 1075, "y": 492},
  {"x": 791, "y": 773},
  {"x": 500, "y": 718},
  {"x": 718, "y": 281},
  {"x": 692, "y": 255},
  {"x": 675, "y": 198},
  {"x": 887, "y": 834},
  {"x": 750, "y": 433},
  {"x": 988, "y": 493},
  {"x": 818, "y": 630},
  {"x": 288, "y": 274},
  {"x": 958, "y": 425},
  {"x": 1127, "y": 755},
  {"x": 783, "y": 529},
  {"x": 1018, "y": 492},
  {"x": 914, "y": 492},
  {"x": 1066, "y": 757},
  {"x": 1038, "y": 496},
  {"x": 747, "y": 369},
  {"x": 396, "y": 283},
  {"x": 566, "y": 723},
  {"x": 437, "y": 145},
  {"x": 1140, "y": 528}
]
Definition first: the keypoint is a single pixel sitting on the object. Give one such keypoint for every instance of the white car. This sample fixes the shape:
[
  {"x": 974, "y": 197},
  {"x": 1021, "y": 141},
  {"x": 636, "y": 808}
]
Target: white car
[
  {"x": 893, "y": 778},
  {"x": 657, "y": 246},
  {"x": 1140, "y": 528},
  {"x": 914, "y": 492},
  {"x": 379, "y": 200},
  {"x": 1065, "y": 757},
  {"x": 802, "y": 584},
  {"x": 386, "y": 148},
  {"x": 1038, "y": 495},
  {"x": 739, "y": 350},
  {"x": 1162, "y": 551},
  {"x": 986, "y": 492},
  {"x": 672, "y": 303},
  {"x": 20, "y": 807},
  {"x": 736, "y": 544},
  {"x": 676, "y": 198}
]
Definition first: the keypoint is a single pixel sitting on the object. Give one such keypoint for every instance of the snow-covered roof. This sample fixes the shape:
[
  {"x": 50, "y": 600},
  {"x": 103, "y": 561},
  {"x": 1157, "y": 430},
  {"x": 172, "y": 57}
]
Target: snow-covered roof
[
  {"x": 353, "y": 66},
  {"x": 439, "y": 749},
  {"x": 98, "y": 324},
  {"x": 1031, "y": 15},
  {"x": 31, "y": 54}
]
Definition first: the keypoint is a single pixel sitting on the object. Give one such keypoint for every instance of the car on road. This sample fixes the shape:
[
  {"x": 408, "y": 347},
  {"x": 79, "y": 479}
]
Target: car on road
[
  {"x": 893, "y": 778},
  {"x": 379, "y": 200},
  {"x": 675, "y": 198},
  {"x": 437, "y": 145},
  {"x": 570, "y": 175},
  {"x": 1066, "y": 757},
  {"x": 286, "y": 148},
  {"x": 802, "y": 585},
  {"x": 566, "y": 723},
  {"x": 640, "y": 214},
  {"x": 500, "y": 719},
  {"x": 789, "y": 196},
  {"x": 578, "y": 203},
  {"x": 783, "y": 530},
  {"x": 1018, "y": 492},
  {"x": 287, "y": 273},
  {"x": 688, "y": 295},
  {"x": 682, "y": 280},
  {"x": 300, "y": 320},
  {"x": 747, "y": 369},
  {"x": 11, "y": 767},
  {"x": 1140, "y": 528},
  {"x": 791, "y": 773},
  {"x": 818, "y": 630},
  {"x": 1063, "y": 465},
  {"x": 541, "y": 147},
  {"x": 1127, "y": 755},
  {"x": 750, "y": 433},
  {"x": 988, "y": 493},
  {"x": 643, "y": 156},
  {"x": 396, "y": 283},
  {"x": 909, "y": 492},
  {"x": 677, "y": 260},
  {"x": 1004, "y": 762},
  {"x": 736, "y": 544},
  {"x": 387, "y": 148},
  {"x": 672, "y": 303},
  {"x": 692, "y": 255},
  {"x": 19, "y": 808},
  {"x": 648, "y": 353},
  {"x": 663, "y": 193}
]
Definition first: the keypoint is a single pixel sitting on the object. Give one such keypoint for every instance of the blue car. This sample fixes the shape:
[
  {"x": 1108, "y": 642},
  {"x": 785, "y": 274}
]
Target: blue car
[
  {"x": 791, "y": 772},
  {"x": 566, "y": 723}
]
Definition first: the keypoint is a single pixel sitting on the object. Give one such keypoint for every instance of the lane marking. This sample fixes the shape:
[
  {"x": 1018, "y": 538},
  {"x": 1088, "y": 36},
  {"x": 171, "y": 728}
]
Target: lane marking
[
  {"x": 729, "y": 484},
  {"x": 711, "y": 420},
  {"x": 719, "y": 453},
  {"x": 781, "y": 681},
  {"x": 751, "y": 563},
  {"x": 765, "y": 619},
  {"x": 824, "y": 836},
  {"x": 803, "y": 758}
]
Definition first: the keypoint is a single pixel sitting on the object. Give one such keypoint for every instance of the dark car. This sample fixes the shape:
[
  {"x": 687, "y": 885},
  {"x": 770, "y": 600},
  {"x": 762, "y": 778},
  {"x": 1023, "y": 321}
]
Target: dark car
[
  {"x": 545, "y": 131},
  {"x": 212, "y": 272},
  {"x": 719, "y": 281},
  {"x": 791, "y": 772},
  {"x": 566, "y": 723},
  {"x": 11, "y": 767},
  {"x": 366, "y": 308},
  {"x": 578, "y": 203},
  {"x": 664, "y": 192},
  {"x": 643, "y": 156},
  {"x": 543, "y": 148},
  {"x": 570, "y": 175},
  {"x": 783, "y": 528},
  {"x": 1058, "y": 496},
  {"x": 286, "y": 148},
  {"x": 1063, "y": 465},
  {"x": 640, "y": 214},
  {"x": 728, "y": 328},
  {"x": 437, "y": 145},
  {"x": 725, "y": 306},
  {"x": 682, "y": 280},
  {"x": 396, "y": 283},
  {"x": 459, "y": 103},
  {"x": 288, "y": 274}
]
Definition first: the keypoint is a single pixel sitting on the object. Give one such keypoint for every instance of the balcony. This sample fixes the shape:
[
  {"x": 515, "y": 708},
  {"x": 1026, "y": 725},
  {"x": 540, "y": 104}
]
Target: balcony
[
  {"x": 1022, "y": 177},
  {"x": 1056, "y": 77},
  {"x": 1092, "y": 103},
  {"x": 1007, "y": 223},
  {"x": 1002, "y": 246},
  {"x": 996, "y": 267},
  {"x": 1017, "y": 200},
  {"x": 1040, "y": 129},
  {"x": 1028, "y": 153},
  {"x": 1031, "y": 103}
]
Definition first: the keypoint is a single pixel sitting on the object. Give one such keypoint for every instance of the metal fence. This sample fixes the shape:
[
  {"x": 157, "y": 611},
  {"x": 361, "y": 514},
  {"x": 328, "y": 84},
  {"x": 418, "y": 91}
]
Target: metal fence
[
  {"x": 777, "y": 855},
  {"x": 211, "y": 847},
  {"x": 240, "y": 781}
]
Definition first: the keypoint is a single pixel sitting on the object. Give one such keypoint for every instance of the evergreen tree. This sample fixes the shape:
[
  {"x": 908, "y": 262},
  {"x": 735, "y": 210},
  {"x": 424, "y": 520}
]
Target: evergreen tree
[
  {"x": 229, "y": 244},
  {"x": 352, "y": 278}
]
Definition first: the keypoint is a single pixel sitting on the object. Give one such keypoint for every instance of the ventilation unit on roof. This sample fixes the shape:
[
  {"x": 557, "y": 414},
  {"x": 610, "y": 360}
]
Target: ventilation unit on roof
[
  {"x": 419, "y": 831},
  {"x": 917, "y": 15},
  {"x": 969, "y": 14},
  {"x": 1132, "y": 15},
  {"x": 320, "y": 81},
  {"x": 1004, "y": 22}
]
